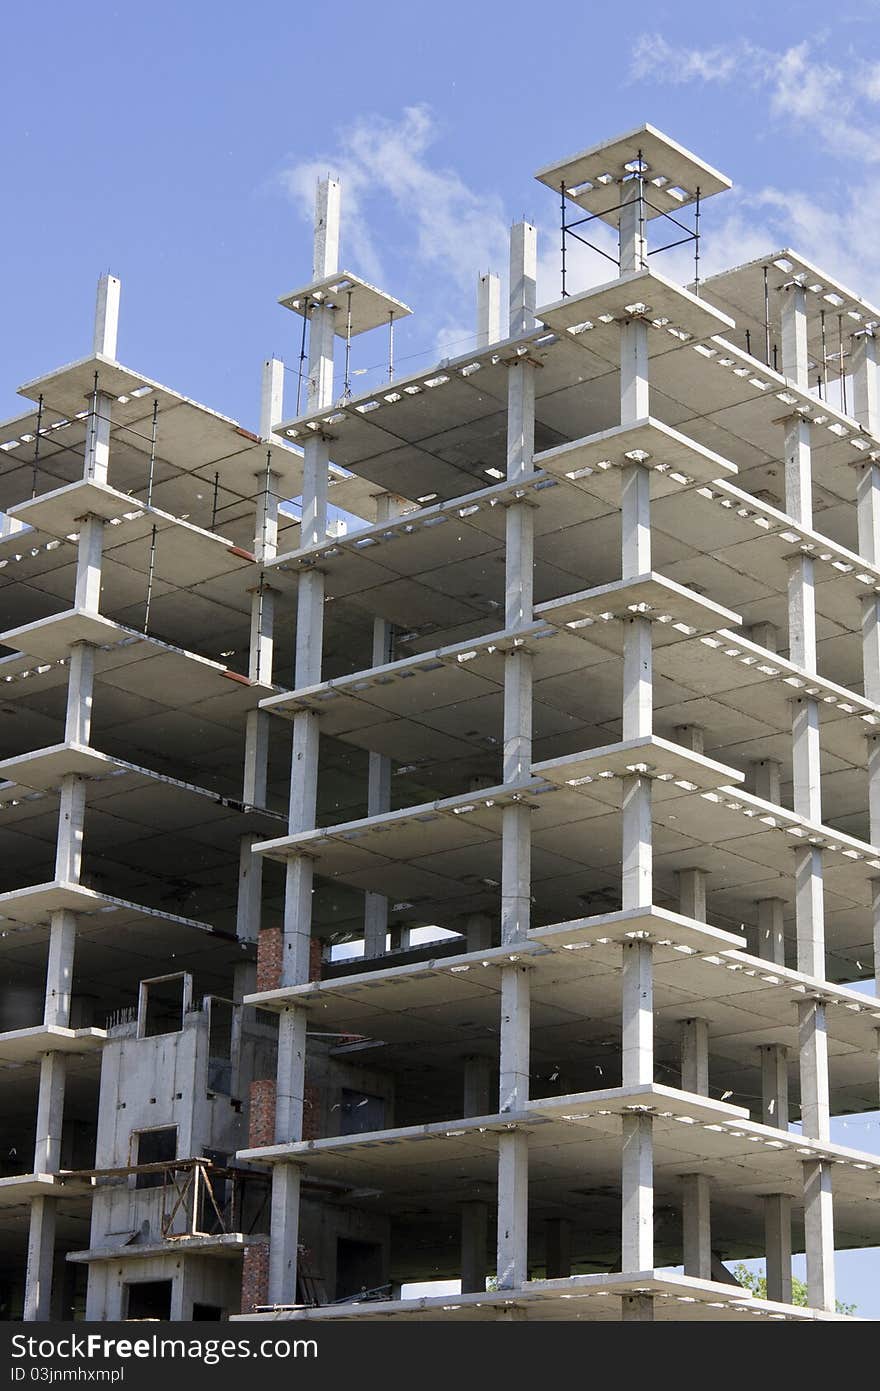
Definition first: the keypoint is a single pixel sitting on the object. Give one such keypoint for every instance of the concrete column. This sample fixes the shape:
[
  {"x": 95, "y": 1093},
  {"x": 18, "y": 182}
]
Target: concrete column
[
  {"x": 557, "y": 1243},
  {"x": 767, "y": 779},
  {"x": 59, "y": 969},
  {"x": 637, "y": 1180},
  {"x": 388, "y": 505},
  {"x": 696, "y": 1220},
  {"x": 695, "y": 1056},
  {"x": 637, "y": 1161},
  {"x": 513, "y": 1087},
  {"x": 809, "y": 904},
  {"x": 513, "y": 1208},
  {"x": 516, "y": 831},
  {"x": 474, "y": 1246},
  {"x": 183, "y": 1289},
  {"x": 478, "y": 1086},
  {"x": 478, "y": 931},
  {"x": 765, "y": 635},
  {"x": 866, "y": 409},
  {"x": 40, "y": 1260},
  {"x": 771, "y": 930},
  {"x": 637, "y": 1013},
  {"x": 513, "y": 1151},
  {"x": 97, "y": 450},
  {"x": 256, "y": 764},
  {"x": 637, "y": 1188},
  {"x": 96, "y": 460},
  {"x": 80, "y": 693},
  {"x": 819, "y": 1233},
  {"x": 88, "y": 564},
  {"x": 290, "y": 1089},
  {"x": 107, "y": 316},
  {"x": 692, "y": 894},
  {"x": 777, "y": 1233},
  {"x": 71, "y": 817},
  {"x": 774, "y": 1085},
  {"x": 813, "y": 1043},
  {"x": 260, "y": 658},
  {"x": 50, "y": 1113},
  {"x": 297, "y": 925},
  {"x": 284, "y": 1226},
  {"x": 488, "y": 309}
]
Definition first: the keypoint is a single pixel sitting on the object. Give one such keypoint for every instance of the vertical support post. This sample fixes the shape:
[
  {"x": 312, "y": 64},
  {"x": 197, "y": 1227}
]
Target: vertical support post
[
  {"x": 40, "y": 1260},
  {"x": 819, "y": 1233},
  {"x": 71, "y": 819},
  {"x": 513, "y": 1146},
  {"x": 695, "y": 1056},
  {"x": 107, "y": 316},
  {"x": 637, "y": 1157},
  {"x": 474, "y": 1245},
  {"x": 50, "y": 1113},
  {"x": 809, "y": 887},
  {"x": 388, "y": 505},
  {"x": 557, "y": 1244},
  {"x": 297, "y": 925},
  {"x": 59, "y": 969},
  {"x": 771, "y": 930},
  {"x": 637, "y": 1162},
  {"x": 87, "y": 594},
  {"x": 777, "y": 1234},
  {"x": 696, "y": 1221},
  {"x": 866, "y": 409},
  {"x": 774, "y": 1085},
  {"x": 488, "y": 309},
  {"x": 80, "y": 694}
]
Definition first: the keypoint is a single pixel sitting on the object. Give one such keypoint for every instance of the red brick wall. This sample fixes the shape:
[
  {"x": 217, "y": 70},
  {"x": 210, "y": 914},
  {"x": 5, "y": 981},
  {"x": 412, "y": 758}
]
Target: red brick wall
[
  {"x": 311, "y": 1112},
  {"x": 254, "y": 1277},
  {"x": 270, "y": 948},
  {"x": 315, "y": 959},
  {"x": 261, "y": 1113}
]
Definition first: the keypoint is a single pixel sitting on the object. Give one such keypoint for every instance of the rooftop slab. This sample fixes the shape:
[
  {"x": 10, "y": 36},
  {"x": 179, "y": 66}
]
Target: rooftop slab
[
  {"x": 672, "y": 174},
  {"x": 348, "y": 295}
]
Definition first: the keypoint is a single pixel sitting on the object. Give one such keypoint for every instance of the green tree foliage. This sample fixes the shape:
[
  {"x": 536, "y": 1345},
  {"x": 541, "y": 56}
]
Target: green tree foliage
[{"x": 757, "y": 1284}]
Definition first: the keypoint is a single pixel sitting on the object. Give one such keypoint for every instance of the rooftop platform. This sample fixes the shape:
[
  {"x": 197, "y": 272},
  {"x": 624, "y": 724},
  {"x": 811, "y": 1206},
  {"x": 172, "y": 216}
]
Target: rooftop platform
[
  {"x": 739, "y": 292},
  {"x": 673, "y": 176},
  {"x": 347, "y": 294}
]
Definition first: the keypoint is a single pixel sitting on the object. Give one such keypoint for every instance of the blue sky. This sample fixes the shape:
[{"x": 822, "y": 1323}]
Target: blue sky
[{"x": 177, "y": 145}]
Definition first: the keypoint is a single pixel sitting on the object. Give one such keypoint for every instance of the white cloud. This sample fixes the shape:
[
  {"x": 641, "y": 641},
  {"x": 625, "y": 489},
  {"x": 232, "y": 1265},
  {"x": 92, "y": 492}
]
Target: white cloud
[
  {"x": 457, "y": 231},
  {"x": 833, "y": 106}
]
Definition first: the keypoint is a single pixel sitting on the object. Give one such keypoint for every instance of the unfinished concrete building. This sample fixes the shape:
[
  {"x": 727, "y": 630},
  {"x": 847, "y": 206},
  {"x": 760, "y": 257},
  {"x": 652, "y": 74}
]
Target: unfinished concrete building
[{"x": 587, "y": 697}]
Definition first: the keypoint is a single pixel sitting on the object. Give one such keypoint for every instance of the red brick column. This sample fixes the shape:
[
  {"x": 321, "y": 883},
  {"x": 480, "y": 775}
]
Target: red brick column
[{"x": 255, "y": 1277}]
